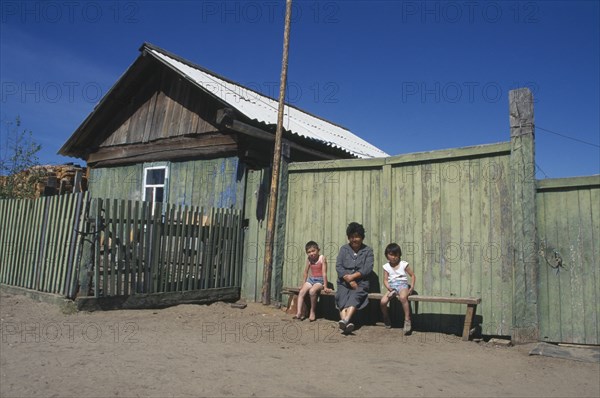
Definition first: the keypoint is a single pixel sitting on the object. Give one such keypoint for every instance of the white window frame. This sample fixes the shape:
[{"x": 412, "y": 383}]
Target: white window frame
[{"x": 164, "y": 185}]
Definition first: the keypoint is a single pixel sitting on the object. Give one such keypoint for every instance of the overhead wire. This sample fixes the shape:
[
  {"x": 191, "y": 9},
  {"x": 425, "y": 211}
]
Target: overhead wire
[{"x": 567, "y": 137}]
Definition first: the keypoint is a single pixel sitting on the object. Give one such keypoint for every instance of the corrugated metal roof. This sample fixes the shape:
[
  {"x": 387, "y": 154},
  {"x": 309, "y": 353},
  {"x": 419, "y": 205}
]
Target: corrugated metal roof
[{"x": 264, "y": 109}]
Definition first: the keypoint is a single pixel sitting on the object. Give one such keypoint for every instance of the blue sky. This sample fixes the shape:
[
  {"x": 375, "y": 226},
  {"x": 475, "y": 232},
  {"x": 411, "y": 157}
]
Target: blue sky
[{"x": 407, "y": 76}]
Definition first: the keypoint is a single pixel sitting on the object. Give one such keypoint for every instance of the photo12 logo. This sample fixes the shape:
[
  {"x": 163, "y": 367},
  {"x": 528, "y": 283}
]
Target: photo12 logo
[
  {"x": 71, "y": 12},
  {"x": 50, "y": 92},
  {"x": 326, "y": 12},
  {"x": 52, "y": 332},
  {"x": 317, "y": 92},
  {"x": 470, "y": 12},
  {"x": 460, "y": 92}
]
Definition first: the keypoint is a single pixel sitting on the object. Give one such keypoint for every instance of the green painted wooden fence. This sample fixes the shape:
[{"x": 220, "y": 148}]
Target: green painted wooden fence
[
  {"x": 449, "y": 210},
  {"x": 568, "y": 215},
  {"x": 129, "y": 246},
  {"x": 39, "y": 246},
  {"x": 141, "y": 249}
]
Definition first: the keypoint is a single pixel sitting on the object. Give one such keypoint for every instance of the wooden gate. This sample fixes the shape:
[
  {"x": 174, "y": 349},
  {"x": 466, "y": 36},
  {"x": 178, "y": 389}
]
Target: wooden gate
[
  {"x": 144, "y": 248},
  {"x": 568, "y": 225}
]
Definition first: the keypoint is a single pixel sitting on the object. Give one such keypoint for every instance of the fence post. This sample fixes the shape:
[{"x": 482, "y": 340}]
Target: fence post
[
  {"x": 280, "y": 224},
  {"x": 525, "y": 326}
]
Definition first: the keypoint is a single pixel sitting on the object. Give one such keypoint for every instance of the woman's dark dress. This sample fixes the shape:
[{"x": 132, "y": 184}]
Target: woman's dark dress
[{"x": 349, "y": 262}]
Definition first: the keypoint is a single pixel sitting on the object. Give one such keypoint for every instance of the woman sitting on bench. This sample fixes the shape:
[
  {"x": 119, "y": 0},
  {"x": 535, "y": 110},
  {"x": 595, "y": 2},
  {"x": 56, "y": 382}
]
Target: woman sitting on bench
[{"x": 354, "y": 264}]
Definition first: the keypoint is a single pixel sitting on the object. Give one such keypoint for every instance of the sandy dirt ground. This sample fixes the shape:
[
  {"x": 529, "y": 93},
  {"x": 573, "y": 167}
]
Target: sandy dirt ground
[{"x": 216, "y": 350}]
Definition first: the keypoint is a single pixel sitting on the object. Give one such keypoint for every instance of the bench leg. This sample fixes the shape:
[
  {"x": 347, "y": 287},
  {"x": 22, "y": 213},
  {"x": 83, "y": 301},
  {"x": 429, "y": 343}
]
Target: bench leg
[
  {"x": 292, "y": 307},
  {"x": 469, "y": 317}
]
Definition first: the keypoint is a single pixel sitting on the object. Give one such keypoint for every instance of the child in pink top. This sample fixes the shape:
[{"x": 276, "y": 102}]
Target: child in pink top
[{"x": 314, "y": 280}]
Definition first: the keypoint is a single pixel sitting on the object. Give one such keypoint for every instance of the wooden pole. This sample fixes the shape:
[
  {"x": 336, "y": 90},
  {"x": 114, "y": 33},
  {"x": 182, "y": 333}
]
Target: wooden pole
[
  {"x": 272, "y": 209},
  {"x": 525, "y": 326}
]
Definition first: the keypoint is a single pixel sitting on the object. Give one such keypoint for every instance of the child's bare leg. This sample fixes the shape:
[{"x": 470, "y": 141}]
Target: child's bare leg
[
  {"x": 313, "y": 292},
  {"x": 305, "y": 288},
  {"x": 384, "y": 308},
  {"x": 403, "y": 297}
]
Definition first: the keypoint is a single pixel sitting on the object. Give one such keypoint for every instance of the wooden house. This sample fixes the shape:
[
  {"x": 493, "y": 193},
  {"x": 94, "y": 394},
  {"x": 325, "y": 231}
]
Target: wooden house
[{"x": 172, "y": 131}]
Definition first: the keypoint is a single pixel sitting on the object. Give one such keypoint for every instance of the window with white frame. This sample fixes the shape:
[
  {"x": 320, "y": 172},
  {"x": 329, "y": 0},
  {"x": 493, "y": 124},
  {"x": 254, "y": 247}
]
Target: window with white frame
[{"x": 155, "y": 183}]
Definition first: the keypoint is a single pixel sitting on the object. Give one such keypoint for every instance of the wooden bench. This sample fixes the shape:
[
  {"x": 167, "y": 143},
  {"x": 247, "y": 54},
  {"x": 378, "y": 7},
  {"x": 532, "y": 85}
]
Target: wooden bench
[{"x": 471, "y": 303}]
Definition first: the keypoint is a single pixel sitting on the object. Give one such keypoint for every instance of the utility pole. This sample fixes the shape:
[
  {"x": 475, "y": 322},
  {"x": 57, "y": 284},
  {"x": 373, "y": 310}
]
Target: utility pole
[{"x": 272, "y": 209}]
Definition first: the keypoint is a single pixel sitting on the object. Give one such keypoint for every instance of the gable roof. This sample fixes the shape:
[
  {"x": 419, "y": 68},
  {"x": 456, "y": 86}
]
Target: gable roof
[
  {"x": 259, "y": 107},
  {"x": 243, "y": 100}
]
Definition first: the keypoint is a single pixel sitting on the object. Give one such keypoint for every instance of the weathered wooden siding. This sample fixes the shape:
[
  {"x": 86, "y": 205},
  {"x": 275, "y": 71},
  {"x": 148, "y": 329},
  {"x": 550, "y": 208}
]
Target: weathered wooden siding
[
  {"x": 255, "y": 212},
  {"x": 568, "y": 218},
  {"x": 124, "y": 182},
  {"x": 449, "y": 210},
  {"x": 208, "y": 183},
  {"x": 166, "y": 106}
]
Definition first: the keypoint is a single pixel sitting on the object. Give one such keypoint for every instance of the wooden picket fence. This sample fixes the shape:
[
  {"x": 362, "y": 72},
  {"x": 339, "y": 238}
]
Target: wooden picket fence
[
  {"x": 73, "y": 245},
  {"x": 39, "y": 246},
  {"x": 145, "y": 249}
]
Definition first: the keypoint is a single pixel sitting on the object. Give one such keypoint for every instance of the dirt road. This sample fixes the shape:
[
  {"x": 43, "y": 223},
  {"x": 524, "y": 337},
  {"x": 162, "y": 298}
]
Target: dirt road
[{"x": 216, "y": 350}]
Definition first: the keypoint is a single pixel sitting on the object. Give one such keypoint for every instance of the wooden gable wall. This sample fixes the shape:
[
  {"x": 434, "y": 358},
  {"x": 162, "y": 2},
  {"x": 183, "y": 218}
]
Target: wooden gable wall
[
  {"x": 161, "y": 116},
  {"x": 165, "y": 106}
]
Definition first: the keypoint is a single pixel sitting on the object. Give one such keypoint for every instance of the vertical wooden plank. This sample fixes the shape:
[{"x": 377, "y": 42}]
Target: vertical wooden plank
[
  {"x": 135, "y": 246},
  {"x": 114, "y": 248},
  {"x": 543, "y": 291},
  {"x": 199, "y": 248},
  {"x": 157, "y": 232},
  {"x": 553, "y": 231},
  {"x": 65, "y": 227},
  {"x": 146, "y": 280},
  {"x": 106, "y": 249},
  {"x": 14, "y": 211},
  {"x": 495, "y": 255},
  {"x": 71, "y": 240},
  {"x": 239, "y": 249},
  {"x": 99, "y": 223},
  {"x": 218, "y": 251},
  {"x": 163, "y": 260},
  {"x": 191, "y": 247},
  {"x": 177, "y": 246},
  {"x": 18, "y": 252},
  {"x": 63, "y": 223},
  {"x": 594, "y": 274},
  {"x": 209, "y": 268},
  {"x": 565, "y": 225},
  {"x": 4, "y": 244},
  {"x": 230, "y": 252},
  {"x": 65, "y": 244},
  {"x": 79, "y": 246},
  {"x": 141, "y": 247},
  {"x": 128, "y": 231},
  {"x": 171, "y": 248},
  {"x": 218, "y": 248},
  {"x": 574, "y": 257},
  {"x": 434, "y": 222},
  {"x": 188, "y": 255},
  {"x": 413, "y": 248},
  {"x": 467, "y": 262},
  {"x": 506, "y": 265},
  {"x": 21, "y": 253},
  {"x": 120, "y": 248},
  {"x": 523, "y": 189},
  {"x": 41, "y": 248},
  {"x": 50, "y": 243},
  {"x": 27, "y": 236}
]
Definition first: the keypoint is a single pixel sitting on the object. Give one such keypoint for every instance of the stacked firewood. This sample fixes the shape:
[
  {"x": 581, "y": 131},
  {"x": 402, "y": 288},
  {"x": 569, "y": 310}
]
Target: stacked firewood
[{"x": 47, "y": 180}]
